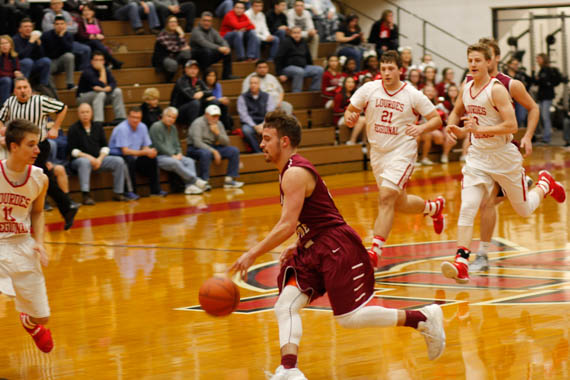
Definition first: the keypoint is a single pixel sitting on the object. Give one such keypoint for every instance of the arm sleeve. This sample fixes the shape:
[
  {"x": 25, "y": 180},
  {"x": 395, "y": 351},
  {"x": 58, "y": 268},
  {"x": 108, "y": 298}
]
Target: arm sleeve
[
  {"x": 47, "y": 21},
  {"x": 111, "y": 79},
  {"x": 158, "y": 139},
  {"x": 50, "y": 105},
  {"x": 146, "y": 139},
  {"x": 245, "y": 84}
]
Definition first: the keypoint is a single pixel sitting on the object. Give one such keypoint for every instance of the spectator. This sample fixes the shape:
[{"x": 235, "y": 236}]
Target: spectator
[
  {"x": 226, "y": 6},
  {"x": 515, "y": 71},
  {"x": 58, "y": 45},
  {"x": 31, "y": 52},
  {"x": 384, "y": 33},
  {"x": 186, "y": 10},
  {"x": 87, "y": 147},
  {"x": 370, "y": 69},
  {"x": 165, "y": 140},
  {"x": 90, "y": 32},
  {"x": 277, "y": 20},
  {"x": 209, "y": 47},
  {"x": 98, "y": 87},
  {"x": 9, "y": 67},
  {"x": 11, "y": 12},
  {"x": 406, "y": 57},
  {"x": 212, "y": 84},
  {"x": 170, "y": 48},
  {"x": 437, "y": 136},
  {"x": 429, "y": 75},
  {"x": 415, "y": 78},
  {"x": 294, "y": 61},
  {"x": 82, "y": 51},
  {"x": 151, "y": 110},
  {"x": 257, "y": 17},
  {"x": 270, "y": 84},
  {"x": 451, "y": 97},
  {"x": 426, "y": 61},
  {"x": 207, "y": 141},
  {"x": 349, "y": 67},
  {"x": 332, "y": 81},
  {"x": 447, "y": 80},
  {"x": 252, "y": 107},
  {"x": 301, "y": 18},
  {"x": 546, "y": 79},
  {"x": 189, "y": 94},
  {"x": 325, "y": 18},
  {"x": 341, "y": 102},
  {"x": 239, "y": 31},
  {"x": 133, "y": 11},
  {"x": 350, "y": 37},
  {"x": 130, "y": 139}
]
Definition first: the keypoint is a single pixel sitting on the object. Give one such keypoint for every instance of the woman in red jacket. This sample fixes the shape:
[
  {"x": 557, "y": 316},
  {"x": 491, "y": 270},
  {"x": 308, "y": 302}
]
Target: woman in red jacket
[{"x": 332, "y": 81}]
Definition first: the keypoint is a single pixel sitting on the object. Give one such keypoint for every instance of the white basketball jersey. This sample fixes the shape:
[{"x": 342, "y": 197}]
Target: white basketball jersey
[
  {"x": 388, "y": 113},
  {"x": 16, "y": 201},
  {"x": 482, "y": 108}
]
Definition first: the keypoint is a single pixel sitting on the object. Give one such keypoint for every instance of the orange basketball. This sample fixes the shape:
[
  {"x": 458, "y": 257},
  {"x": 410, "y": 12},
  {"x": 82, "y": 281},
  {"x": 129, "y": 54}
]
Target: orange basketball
[{"x": 219, "y": 296}]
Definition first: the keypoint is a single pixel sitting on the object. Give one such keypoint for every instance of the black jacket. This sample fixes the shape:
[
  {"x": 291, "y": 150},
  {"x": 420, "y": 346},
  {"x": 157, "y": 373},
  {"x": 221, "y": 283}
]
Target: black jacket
[
  {"x": 184, "y": 91},
  {"x": 546, "y": 79},
  {"x": 77, "y": 138},
  {"x": 292, "y": 53},
  {"x": 391, "y": 43}
]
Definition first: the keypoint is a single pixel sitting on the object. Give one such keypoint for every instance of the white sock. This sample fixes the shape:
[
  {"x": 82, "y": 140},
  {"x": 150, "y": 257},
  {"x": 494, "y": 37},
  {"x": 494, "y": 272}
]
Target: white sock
[
  {"x": 369, "y": 316},
  {"x": 430, "y": 208},
  {"x": 544, "y": 185},
  {"x": 377, "y": 244},
  {"x": 484, "y": 248}
]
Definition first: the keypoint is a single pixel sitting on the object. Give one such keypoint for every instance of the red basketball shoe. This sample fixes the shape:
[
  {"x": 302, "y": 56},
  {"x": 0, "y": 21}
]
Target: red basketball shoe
[
  {"x": 40, "y": 334},
  {"x": 373, "y": 257},
  {"x": 556, "y": 189},
  {"x": 438, "y": 218},
  {"x": 458, "y": 270}
]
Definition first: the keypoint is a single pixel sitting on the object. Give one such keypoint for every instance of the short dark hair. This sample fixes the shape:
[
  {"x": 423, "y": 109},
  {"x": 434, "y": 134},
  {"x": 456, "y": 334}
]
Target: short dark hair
[
  {"x": 239, "y": 2},
  {"x": 97, "y": 52},
  {"x": 20, "y": 79},
  {"x": 285, "y": 125},
  {"x": 58, "y": 18},
  {"x": 16, "y": 131},
  {"x": 25, "y": 19},
  {"x": 391, "y": 56},
  {"x": 135, "y": 109},
  {"x": 257, "y": 1},
  {"x": 260, "y": 61},
  {"x": 279, "y": 2}
]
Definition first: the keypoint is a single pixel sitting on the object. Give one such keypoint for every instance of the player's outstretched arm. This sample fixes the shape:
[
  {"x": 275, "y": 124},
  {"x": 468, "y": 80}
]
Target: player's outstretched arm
[
  {"x": 502, "y": 101},
  {"x": 294, "y": 184},
  {"x": 38, "y": 222},
  {"x": 521, "y": 96},
  {"x": 458, "y": 110},
  {"x": 351, "y": 115}
]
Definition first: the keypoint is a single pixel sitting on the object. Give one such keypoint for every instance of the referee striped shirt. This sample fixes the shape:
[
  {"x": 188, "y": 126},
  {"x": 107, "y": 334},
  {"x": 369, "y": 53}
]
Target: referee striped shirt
[{"x": 36, "y": 110}]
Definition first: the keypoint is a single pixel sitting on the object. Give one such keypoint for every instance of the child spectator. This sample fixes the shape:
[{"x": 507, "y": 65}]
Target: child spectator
[
  {"x": 415, "y": 78},
  {"x": 332, "y": 81},
  {"x": 151, "y": 110}
]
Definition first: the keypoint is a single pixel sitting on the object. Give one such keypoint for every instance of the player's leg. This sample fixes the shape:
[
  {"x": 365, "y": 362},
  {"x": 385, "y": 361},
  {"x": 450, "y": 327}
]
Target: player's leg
[
  {"x": 412, "y": 204},
  {"x": 388, "y": 194},
  {"x": 488, "y": 217}
]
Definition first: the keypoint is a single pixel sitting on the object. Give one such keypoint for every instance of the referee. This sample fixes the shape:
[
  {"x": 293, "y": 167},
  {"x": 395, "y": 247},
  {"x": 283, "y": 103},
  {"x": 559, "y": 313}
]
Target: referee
[{"x": 35, "y": 108}]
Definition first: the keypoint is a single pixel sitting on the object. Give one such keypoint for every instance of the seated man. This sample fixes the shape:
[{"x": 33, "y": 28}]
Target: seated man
[
  {"x": 87, "y": 146},
  {"x": 31, "y": 53},
  {"x": 187, "y": 10},
  {"x": 165, "y": 140},
  {"x": 56, "y": 9},
  {"x": 294, "y": 62},
  {"x": 252, "y": 107},
  {"x": 98, "y": 87},
  {"x": 207, "y": 140},
  {"x": 208, "y": 47},
  {"x": 299, "y": 16},
  {"x": 130, "y": 139},
  {"x": 133, "y": 11},
  {"x": 257, "y": 17},
  {"x": 277, "y": 20},
  {"x": 239, "y": 31},
  {"x": 58, "y": 45},
  {"x": 270, "y": 84}
]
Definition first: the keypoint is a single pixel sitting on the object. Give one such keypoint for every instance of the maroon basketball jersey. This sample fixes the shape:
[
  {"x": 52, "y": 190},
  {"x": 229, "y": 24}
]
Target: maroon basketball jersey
[{"x": 319, "y": 212}]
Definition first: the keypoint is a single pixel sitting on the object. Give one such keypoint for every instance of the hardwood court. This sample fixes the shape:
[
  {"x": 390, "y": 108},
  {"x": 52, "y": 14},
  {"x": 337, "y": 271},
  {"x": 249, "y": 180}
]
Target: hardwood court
[{"x": 123, "y": 283}]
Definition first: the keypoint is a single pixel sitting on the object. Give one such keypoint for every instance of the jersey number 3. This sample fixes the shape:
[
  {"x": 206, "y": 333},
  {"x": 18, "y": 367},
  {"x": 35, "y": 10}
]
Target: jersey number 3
[
  {"x": 8, "y": 214},
  {"x": 386, "y": 117}
]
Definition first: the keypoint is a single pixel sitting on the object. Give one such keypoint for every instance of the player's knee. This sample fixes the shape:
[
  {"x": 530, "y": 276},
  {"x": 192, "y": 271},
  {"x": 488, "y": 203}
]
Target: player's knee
[
  {"x": 282, "y": 308},
  {"x": 467, "y": 213},
  {"x": 347, "y": 321},
  {"x": 387, "y": 196}
]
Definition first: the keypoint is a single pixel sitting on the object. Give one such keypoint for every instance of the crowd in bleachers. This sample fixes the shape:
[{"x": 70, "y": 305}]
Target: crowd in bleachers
[{"x": 65, "y": 38}]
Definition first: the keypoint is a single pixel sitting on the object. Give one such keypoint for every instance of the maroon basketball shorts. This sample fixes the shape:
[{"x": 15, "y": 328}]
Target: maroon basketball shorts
[{"x": 335, "y": 262}]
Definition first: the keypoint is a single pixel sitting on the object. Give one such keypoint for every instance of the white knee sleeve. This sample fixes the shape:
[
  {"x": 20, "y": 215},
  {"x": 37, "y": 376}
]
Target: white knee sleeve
[
  {"x": 369, "y": 316},
  {"x": 471, "y": 198},
  {"x": 525, "y": 209},
  {"x": 287, "y": 309}
]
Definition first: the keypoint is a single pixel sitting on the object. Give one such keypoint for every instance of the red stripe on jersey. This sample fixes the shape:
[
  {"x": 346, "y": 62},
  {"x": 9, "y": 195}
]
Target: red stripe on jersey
[
  {"x": 480, "y": 91},
  {"x": 8, "y": 179},
  {"x": 404, "y": 175},
  {"x": 395, "y": 93}
]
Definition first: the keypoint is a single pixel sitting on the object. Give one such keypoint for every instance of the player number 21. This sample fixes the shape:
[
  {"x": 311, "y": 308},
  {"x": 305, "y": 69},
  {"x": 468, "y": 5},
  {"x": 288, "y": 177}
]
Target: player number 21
[
  {"x": 386, "y": 117},
  {"x": 8, "y": 214}
]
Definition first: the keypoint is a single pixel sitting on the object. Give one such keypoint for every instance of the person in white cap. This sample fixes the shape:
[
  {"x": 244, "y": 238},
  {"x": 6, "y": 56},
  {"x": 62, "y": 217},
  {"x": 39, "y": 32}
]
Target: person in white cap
[{"x": 207, "y": 141}]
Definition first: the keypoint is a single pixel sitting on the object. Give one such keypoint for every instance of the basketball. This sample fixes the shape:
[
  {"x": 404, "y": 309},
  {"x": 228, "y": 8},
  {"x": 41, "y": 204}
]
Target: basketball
[{"x": 219, "y": 296}]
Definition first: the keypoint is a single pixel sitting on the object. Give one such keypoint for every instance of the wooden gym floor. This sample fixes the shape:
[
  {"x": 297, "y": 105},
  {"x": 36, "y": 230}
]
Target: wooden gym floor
[{"x": 123, "y": 287}]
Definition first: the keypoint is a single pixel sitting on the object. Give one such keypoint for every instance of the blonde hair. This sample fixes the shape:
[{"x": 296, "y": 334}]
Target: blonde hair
[
  {"x": 481, "y": 48},
  {"x": 151, "y": 93},
  {"x": 13, "y": 52}
]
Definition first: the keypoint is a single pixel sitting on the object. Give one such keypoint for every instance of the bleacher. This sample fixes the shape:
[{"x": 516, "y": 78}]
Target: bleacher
[{"x": 137, "y": 74}]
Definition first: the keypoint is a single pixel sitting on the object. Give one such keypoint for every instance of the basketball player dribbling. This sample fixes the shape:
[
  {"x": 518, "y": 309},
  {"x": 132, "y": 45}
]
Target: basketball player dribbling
[
  {"x": 490, "y": 119},
  {"x": 23, "y": 189},
  {"x": 391, "y": 108},
  {"x": 327, "y": 257}
]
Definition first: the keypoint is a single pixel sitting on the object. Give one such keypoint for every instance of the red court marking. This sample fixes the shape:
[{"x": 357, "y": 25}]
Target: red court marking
[
  {"x": 233, "y": 205},
  {"x": 495, "y": 281},
  {"x": 559, "y": 260}
]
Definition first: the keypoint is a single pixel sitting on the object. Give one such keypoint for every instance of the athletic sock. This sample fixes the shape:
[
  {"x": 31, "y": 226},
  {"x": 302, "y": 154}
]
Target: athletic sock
[
  {"x": 463, "y": 252},
  {"x": 27, "y": 322},
  {"x": 544, "y": 185},
  {"x": 377, "y": 244},
  {"x": 289, "y": 361},
  {"x": 413, "y": 317},
  {"x": 484, "y": 248},
  {"x": 430, "y": 207}
]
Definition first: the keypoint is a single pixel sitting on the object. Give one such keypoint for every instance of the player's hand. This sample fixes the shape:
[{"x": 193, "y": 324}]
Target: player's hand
[
  {"x": 241, "y": 265},
  {"x": 287, "y": 253},
  {"x": 351, "y": 119},
  {"x": 42, "y": 254},
  {"x": 52, "y": 133},
  {"x": 414, "y": 130},
  {"x": 470, "y": 124},
  {"x": 452, "y": 132},
  {"x": 526, "y": 143}
]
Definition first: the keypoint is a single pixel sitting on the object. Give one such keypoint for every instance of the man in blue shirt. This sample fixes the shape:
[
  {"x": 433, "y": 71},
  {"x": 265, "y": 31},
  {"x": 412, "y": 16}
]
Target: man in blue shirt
[{"x": 130, "y": 139}]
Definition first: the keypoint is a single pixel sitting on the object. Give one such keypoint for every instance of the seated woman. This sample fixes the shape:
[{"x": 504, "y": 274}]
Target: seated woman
[
  {"x": 349, "y": 68},
  {"x": 211, "y": 80},
  {"x": 448, "y": 76},
  {"x": 350, "y": 37},
  {"x": 90, "y": 32},
  {"x": 415, "y": 79},
  {"x": 151, "y": 110},
  {"x": 370, "y": 69},
  {"x": 341, "y": 102},
  {"x": 170, "y": 48},
  {"x": 9, "y": 67},
  {"x": 332, "y": 81},
  {"x": 449, "y": 102}
]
